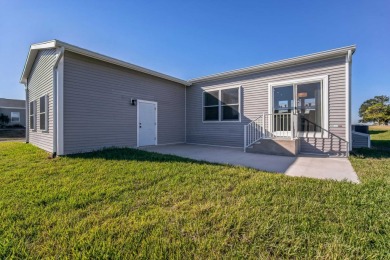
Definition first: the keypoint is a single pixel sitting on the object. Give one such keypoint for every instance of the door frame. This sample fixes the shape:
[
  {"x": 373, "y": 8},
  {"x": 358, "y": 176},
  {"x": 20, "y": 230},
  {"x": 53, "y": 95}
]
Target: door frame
[
  {"x": 150, "y": 102},
  {"x": 324, "y": 104}
]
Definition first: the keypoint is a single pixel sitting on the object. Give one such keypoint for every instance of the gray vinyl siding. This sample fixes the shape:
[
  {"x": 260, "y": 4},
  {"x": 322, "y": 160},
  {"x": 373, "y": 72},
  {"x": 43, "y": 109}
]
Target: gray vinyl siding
[
  {"x": 97, "y": 110},
  {"x": 5, "y": 102},
  {"x": 359, "y": 140},
  {"x": 7, "y": 112},
  {"x": 254, "y": 101},
  {"x": 40, "y": 83}
]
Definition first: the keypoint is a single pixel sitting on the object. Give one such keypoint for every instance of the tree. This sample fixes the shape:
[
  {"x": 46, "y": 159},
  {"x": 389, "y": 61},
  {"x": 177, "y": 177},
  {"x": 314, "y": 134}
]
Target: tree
[
  {"x": 376, "y": 110},
  {"x": 369, "y": 102},
  {"x": 4, "y": 119}
]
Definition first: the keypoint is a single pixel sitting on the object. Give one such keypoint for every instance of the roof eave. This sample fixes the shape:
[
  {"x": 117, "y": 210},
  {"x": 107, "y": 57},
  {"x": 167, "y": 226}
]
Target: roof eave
[
  {"x": 68, "y": 47},
  {"x": 34, "y": 48},
  {"x": 276, "y": 64}
]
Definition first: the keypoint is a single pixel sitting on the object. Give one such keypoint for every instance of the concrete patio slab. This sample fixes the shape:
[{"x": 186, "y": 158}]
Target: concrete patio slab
[{"x": 320, "y": 168}]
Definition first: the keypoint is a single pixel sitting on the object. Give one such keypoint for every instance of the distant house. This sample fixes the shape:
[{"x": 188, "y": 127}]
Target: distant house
[
  {"x": 79, "y": 101},
  {"x": 15, "y": 110}
]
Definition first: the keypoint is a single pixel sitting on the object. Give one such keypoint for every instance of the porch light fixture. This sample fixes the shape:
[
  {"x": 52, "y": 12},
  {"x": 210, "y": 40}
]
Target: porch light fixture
[
  {"x": 302, "y": 94},
  {"x": 133, "y": 102}
]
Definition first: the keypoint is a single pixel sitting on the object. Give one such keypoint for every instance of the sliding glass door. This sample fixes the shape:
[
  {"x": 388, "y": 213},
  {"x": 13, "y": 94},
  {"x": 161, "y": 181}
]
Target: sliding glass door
[
  {"x": 303, "y": 99},
  {"x": 309, "y": 107}
]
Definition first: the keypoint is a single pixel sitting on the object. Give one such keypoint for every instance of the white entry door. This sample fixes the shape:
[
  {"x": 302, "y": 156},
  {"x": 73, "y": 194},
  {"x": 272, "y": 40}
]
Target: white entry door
[{"x": 147, "y": 123}]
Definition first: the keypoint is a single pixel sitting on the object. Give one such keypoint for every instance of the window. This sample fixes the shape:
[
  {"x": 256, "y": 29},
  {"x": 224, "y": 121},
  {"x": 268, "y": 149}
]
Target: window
[
  {"x": 211, "y": 106},
  {"x": 15, "y": 117},
  {"x": 230, "y": 104},
  {"x": 43, "y": 113},
  {"x": 32, "y": 115},
  {"x": 221, "y": 105}
]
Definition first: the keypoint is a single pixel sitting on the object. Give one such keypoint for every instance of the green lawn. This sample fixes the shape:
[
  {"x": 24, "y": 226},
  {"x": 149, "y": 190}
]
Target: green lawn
[
  {"x": 124, "y": 203},
  {"x": 380, "y": 137}
]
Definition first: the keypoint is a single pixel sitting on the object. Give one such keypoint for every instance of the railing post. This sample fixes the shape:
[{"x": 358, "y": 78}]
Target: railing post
[
  {"x": 245, "y": 137},
  {"x": 263, "y": 126},
  {"x": 292, "y": 125}
]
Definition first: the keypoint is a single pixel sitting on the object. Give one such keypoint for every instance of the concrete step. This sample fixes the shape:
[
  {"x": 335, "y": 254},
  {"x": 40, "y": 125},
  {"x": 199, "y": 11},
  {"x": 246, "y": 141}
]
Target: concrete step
[{"x": 285, "y": 147}]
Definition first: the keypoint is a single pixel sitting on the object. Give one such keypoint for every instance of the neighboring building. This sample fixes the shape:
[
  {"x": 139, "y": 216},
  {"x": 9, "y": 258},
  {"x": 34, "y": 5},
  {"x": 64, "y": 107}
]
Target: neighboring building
[
  {"x": 79, "y": 101},
  {"x": 15, "y": 110}
]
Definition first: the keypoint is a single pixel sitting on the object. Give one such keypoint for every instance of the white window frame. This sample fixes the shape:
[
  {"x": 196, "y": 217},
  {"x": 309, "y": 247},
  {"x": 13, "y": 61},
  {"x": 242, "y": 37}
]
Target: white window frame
[
  {"x": 46, "y": 112},
  {"x": 206, "y": 90},
  {"x": 15, "y": 117},
  {"x": 324, "y": 105},
  {"x": 33, "y": 113}
]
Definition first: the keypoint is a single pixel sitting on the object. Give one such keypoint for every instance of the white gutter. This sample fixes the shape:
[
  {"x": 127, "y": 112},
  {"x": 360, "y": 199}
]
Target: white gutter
[
  {"x": 339, "y": 52},
  {"x": 60, "y": 54},
  {"x": 27, "y": 112},
  {"x": 348, "y": 132},
  {"x": 72, "y": 48}
]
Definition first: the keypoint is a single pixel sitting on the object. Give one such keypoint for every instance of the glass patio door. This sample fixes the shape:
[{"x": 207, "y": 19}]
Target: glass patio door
[
  {"x": 283, "y": 105},
  {"x": 309, "y": 107},
  {"x": 305, "y": 100}
]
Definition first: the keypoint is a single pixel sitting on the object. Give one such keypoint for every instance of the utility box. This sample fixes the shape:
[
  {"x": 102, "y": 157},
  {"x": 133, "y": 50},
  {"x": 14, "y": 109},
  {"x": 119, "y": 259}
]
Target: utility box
[{"x": 360, "y": 129}]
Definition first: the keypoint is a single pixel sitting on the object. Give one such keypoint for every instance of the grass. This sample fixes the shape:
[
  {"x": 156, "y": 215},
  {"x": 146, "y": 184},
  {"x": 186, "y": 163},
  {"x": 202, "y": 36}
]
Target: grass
[
  {"x": 124, "y": 203},
  {"x": 380, "y": 137}
]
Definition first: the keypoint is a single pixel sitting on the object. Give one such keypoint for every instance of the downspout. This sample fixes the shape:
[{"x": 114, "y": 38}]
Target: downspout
[
  {"x": 60, "y": 53},
  {"x": 348, "y": 133},
  {"x": 185, "y": 114},
  {"x": 27, "y": 112}
]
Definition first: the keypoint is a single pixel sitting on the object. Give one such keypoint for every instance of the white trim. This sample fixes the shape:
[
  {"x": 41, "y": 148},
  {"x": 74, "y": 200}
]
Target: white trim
[
  {"x": 13, "y": 107},
  {"x": 44, "y": 45},
  {"x": 262, "y": 67},
  {"x": 55, "y": 43},
  {"x": 209, "y": 89},
  {"x": 15, "y": 116},
  {"x": 27, "y": 113},
  {"x": 156, "y": 131},
  {"x": 348, "y": 132},
  {"x": 277, "y": 64},
  {"x": 60, "y": 106},
  {"x": 57, "y": 80},
  {"x": 324, "y": 102}
]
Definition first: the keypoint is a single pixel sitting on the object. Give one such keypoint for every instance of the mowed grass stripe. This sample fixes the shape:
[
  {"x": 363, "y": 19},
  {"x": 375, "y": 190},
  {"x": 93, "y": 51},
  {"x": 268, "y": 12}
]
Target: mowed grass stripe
[{"x": 126, "y": 203}]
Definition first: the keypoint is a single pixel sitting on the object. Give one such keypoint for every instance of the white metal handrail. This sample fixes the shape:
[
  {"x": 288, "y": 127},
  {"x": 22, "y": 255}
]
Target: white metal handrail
[{"x": 282, "y": 125}]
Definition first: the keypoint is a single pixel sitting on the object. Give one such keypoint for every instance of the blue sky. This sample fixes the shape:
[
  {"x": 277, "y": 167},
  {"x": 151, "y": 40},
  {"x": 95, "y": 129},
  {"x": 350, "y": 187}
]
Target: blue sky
[{"x": 188, "y": 39}]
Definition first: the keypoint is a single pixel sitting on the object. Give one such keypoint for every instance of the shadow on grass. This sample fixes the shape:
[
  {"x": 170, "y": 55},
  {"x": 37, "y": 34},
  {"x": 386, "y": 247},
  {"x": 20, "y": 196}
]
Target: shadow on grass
[
  {"x": 375, "y": 132},
  {"x": 129, "y": 154},
  {"x": 381, "y": 144},
  {"x": 372, "y": 153}
]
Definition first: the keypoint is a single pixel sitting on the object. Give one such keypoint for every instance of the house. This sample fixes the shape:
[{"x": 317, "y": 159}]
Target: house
[
  {"x": 15, "y": 109},
  {"x": 80, "y": 101}
]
